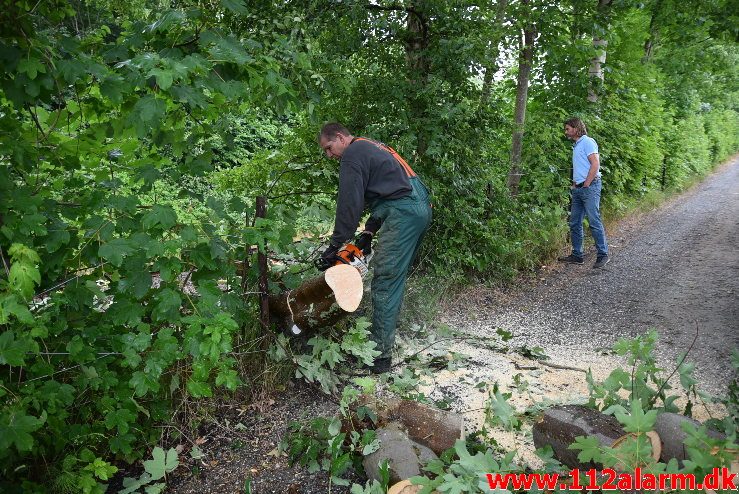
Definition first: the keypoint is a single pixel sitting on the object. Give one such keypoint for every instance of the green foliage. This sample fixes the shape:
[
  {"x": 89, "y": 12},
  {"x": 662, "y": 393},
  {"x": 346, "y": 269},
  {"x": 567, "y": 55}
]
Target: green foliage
[
  {"x": 637, "y": 416},
  {"x": 465, "y": 472},
  {"x": 320, "y": 444},
  {"x": 120, "y": 293},
  {"x": 135, "y": 138},
  {"x": 155, "y": 469},
  {"x": 498, "y": 412},
  {"x": 322, "y": 364},
  {"x": 646, "y": 384}
]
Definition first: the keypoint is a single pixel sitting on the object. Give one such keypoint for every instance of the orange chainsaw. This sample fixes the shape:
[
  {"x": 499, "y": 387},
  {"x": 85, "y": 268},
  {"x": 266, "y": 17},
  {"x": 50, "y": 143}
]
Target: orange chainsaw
[{"x": 354, "y": 256}]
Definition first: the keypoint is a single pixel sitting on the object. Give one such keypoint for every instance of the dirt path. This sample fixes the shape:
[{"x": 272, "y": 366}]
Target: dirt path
[{"x": 671, "y": 269}]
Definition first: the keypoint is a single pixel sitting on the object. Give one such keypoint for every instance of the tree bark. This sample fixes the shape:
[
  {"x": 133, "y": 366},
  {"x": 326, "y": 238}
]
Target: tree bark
[
  {"x": 525, "y": 61},
  {"x": 262, "y": 264},
  {"x": 559, "y": 426},
  {"x": 669, "y": 426},
  {"x": 651, "y": 41},
  {"x": 418, "y": 66},
  {"x": 600, "y": 44},
  {"x": 491, "y": 67}
]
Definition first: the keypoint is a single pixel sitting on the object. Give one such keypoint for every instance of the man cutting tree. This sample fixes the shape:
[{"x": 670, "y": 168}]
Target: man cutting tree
[{"x": 373, "y": 176}]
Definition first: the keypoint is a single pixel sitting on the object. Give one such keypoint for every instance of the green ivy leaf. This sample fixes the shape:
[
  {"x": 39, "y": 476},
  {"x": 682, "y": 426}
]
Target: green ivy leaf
[
  {"x": 334, "y": 427},
  {"x": 146, "y": 114},
  {"x": 164, "y": 78},
  {"x": 236, "y": 6},
  {"x": 227, "y": 378},
  {"x": 168, "y": 304},
  {"x": 31, "y": 67},
  {"x": 143, "y": 383},
  {"x": 501, "y": 412},
  {"x": 589, "y": 449},
  {"x": 122, "y": 443},
  {"x": 23, "y": 278},
  {"x": 121, "y": 418},
  {"x": 101, "y": 469},
  {"x": 199, "y": 389},
  {"x": 11, "y": 306}
]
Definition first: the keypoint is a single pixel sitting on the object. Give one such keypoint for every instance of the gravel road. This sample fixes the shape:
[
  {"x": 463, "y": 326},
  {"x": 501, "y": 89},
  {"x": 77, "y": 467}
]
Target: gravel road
[{"x": 673, "y": 268}]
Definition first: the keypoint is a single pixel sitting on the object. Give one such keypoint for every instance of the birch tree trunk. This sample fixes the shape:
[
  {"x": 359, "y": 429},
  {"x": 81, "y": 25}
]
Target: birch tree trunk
[
  {"x": 491, "y": 67},
  {"x": 600, "y": 44},
  {"x": 417, "y": 62},
  {"x": 525, "y": 60}
]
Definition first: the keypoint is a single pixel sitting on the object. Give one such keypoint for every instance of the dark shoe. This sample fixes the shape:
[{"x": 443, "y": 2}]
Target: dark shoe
[
  {"x": 379, "y": 366},
  {"x": 601, "y": 261},
  {"x": 571, "y": 259},
  {"x": 382, "y": 365}
]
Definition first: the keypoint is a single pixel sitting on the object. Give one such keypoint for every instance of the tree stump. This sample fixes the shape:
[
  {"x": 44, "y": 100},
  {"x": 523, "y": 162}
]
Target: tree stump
[{"x": 319, "y": 302}]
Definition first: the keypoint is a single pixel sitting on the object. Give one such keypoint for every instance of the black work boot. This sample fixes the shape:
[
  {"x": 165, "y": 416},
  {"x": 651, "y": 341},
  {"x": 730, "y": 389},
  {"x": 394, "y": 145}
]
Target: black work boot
[
  {"x": 381, "y": 365},
  {"x": 571, "y": 259},
  {"x": 601, "y": 261}
]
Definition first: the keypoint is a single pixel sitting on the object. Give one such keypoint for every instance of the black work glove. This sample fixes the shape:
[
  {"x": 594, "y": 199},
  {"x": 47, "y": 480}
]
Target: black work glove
[
  {"x": 328, "y": 258},
  {"x": 364, "y": 242}
]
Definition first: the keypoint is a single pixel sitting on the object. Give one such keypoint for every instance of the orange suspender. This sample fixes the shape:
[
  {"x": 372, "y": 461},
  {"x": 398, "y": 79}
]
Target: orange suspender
[{"x": 408, "y": 170}]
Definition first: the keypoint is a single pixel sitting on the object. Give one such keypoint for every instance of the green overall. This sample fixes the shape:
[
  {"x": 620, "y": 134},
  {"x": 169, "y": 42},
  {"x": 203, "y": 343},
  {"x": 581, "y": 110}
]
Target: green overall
[{"x": 404, "y": 224}]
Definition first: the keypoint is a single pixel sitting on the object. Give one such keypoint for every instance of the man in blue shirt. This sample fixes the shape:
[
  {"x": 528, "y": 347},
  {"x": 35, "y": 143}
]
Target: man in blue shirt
[{"x": 585, "y": 191}]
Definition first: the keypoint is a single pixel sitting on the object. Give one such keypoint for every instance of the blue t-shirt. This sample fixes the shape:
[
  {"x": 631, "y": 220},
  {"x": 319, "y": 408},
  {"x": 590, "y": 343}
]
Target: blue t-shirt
[{"x": 584, "y": 147}]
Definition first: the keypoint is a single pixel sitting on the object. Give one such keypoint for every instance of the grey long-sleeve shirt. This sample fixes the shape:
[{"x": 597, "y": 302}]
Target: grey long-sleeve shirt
[{"x": 366, "y": 173}]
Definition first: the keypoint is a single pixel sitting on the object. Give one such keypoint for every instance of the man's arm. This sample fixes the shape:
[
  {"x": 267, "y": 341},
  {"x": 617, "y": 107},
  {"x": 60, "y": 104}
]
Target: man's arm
[
  {"x": 349, "y": 203},
  {"x": 594, "y": 166}
]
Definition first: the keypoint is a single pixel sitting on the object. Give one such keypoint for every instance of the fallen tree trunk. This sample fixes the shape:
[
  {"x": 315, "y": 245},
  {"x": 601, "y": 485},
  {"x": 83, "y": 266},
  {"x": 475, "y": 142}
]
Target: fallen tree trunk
[
  {"x": 319, "y": 302},
  {"x": 436, "y": 429},
  {"x": 559, "y": 426},
  {"x": 669, "y": 426}
]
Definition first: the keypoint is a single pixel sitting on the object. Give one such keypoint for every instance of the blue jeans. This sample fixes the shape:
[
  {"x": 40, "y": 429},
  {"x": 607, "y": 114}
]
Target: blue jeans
[{"x": 586, "y": 201}]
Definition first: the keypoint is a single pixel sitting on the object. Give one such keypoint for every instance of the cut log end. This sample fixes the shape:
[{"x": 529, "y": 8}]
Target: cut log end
[
  {"x": 405, "y": 487},
  {"x": 654, "y": 440},
  {"x": 346, "y": 283}
]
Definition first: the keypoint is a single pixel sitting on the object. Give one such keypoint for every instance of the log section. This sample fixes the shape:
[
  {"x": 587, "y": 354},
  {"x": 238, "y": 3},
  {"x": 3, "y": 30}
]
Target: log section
[{"x": 319, "y": 302}]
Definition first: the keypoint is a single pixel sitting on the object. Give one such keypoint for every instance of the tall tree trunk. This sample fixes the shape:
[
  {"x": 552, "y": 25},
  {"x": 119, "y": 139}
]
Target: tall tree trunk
[
  {"x": 416, "y": 44},
  {"x": 491, "y": 67},
  {"x": 600, "y": 44},
  {"x": 525, "y": 61},
  {"x": 651, "y": 41}
]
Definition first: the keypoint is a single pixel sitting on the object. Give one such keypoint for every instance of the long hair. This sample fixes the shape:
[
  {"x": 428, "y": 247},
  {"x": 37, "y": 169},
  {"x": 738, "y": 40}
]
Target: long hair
[
  {"x": 578, "y": 125},
  {"x": 330, "y": 130}
]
